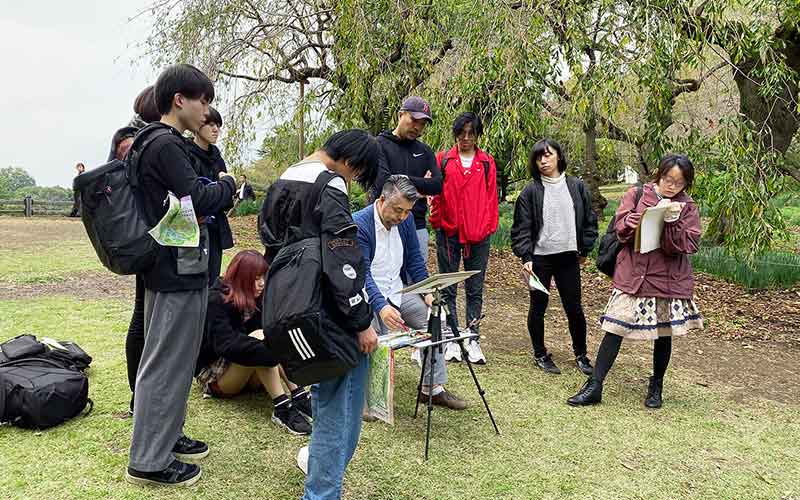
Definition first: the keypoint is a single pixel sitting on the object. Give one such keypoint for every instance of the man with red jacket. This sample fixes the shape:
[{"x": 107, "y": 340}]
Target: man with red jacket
[{"x": 465, "y": 216}]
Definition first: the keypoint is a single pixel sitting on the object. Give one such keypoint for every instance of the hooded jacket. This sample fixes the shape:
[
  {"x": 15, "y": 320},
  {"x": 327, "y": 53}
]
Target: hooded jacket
[
  {"x": 411, "y": 158},
  {"x": 227, "y": 334},
  {"x": 209, "y": 164},
  {"x": 468, "y": 205}
]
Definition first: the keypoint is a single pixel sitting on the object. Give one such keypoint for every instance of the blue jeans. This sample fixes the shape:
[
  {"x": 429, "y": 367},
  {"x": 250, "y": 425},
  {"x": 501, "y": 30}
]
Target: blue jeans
[{"x": 337, "y": 405}]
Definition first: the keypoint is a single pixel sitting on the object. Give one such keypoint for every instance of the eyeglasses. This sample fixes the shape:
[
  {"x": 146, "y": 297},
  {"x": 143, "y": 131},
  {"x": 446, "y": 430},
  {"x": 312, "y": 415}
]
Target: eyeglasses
[{"x": 673, "y": 183}]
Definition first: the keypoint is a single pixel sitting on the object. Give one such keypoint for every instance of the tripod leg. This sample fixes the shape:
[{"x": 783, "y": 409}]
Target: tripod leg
[
  {"x": 430, "y": 402},
  {"x": 421, "y": 377},
  {"x": 481, "y": 392}
]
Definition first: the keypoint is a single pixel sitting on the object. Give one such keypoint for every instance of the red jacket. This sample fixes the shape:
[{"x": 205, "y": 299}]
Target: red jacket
[
  {"x": 665, "y": 272},
  {"x": 468, "y": 204}
]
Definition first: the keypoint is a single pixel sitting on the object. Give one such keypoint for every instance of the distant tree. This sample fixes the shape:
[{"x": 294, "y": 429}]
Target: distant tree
[
  {"x": 41, "y": 193},
  {"x": 14, "y": 178}
]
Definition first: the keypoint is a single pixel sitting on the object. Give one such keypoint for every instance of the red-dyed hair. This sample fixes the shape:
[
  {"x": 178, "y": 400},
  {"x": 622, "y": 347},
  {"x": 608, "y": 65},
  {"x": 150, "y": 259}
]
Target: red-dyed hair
[{"x": 240, "y": 278}]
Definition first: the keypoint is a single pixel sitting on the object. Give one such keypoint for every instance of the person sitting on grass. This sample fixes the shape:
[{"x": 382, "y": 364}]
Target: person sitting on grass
[{"x": 233, "y": 355}]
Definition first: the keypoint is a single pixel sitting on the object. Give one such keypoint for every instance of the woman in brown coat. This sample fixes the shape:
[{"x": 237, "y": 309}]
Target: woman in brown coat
[{"x": 652, "y": 297}]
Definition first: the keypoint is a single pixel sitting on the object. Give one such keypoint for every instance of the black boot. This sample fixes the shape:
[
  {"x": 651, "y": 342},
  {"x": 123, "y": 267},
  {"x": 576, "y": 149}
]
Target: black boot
[
  {"x": 590, "y": 394},
  {"x": 654, "y": 389}
]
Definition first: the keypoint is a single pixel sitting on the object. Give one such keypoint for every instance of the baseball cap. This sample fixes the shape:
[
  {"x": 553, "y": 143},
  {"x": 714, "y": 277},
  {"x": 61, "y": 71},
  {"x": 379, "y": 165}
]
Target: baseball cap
[{"x": 418, "y": 107}]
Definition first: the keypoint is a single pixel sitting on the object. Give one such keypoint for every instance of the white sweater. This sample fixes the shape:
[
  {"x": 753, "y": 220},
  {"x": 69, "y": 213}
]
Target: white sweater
[{"x": 558, "y": 232}]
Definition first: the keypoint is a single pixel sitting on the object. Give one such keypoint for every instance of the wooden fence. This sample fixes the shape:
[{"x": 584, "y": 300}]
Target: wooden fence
[{"x": 29, "y": 207}]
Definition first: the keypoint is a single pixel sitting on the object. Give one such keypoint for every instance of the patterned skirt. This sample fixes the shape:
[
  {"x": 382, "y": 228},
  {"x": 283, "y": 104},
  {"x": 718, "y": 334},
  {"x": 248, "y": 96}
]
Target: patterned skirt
[
  {"x": 648, "y": 318},
  {"x": 208, "y": 376}
]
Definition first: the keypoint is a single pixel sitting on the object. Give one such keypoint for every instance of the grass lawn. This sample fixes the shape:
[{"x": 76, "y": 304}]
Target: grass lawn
[{"x": 699, "y": 445}]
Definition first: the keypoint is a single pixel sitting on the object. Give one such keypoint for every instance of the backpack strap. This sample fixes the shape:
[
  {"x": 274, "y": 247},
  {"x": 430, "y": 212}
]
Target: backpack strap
[
  {"x": 143, "y": 139},
  {"x": 639, "y": 192}
]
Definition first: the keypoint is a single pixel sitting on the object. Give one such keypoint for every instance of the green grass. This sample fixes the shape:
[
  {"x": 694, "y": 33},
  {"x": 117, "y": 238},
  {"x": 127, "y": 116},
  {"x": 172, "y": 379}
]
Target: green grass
[
  {"x": 47, "y": 263},
  {"x": 698, "y": 446},
  {"x": 771, "y": 270}
]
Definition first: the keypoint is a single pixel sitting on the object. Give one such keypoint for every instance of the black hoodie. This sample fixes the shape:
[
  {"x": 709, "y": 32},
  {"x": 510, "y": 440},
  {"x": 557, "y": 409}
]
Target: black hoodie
[
  {"x": 411, "y": 158},
  {"x": 227, "y": 334},
  {"x": 209, "y": 164}
]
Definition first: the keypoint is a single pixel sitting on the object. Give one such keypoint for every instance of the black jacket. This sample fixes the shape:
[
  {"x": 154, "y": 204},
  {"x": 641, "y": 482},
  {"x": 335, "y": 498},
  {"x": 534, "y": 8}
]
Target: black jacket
[
  {"x": 227, "y": 334},
  {"x": 411, "y": 158},
  {"x": 248, "y": 193},
  {"x": 209, "y": 164},
  {"x": 166, "y": 166},
  {"x": 528, "y": 219}
]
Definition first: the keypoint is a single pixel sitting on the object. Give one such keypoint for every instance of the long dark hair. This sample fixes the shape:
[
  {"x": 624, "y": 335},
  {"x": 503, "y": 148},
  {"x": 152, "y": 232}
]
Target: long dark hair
[
  {"x": 538, "y": 151},
  {"x": 240, "y": 278}
]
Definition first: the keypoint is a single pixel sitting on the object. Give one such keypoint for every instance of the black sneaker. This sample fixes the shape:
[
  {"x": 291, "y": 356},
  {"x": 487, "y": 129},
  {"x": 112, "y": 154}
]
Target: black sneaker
[
  {"x": 289, "y": 418},
  {"x": 189, "y": 449},
  {"x": 583, "y": 364},
  {"x": 176, "y": 474},
  {"x": 546, "y": 363},
  {"x": 302, "y": 403}
]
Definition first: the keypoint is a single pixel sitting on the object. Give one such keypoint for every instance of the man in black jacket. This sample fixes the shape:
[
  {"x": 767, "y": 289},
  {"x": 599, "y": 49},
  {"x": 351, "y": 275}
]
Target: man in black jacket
[
  {"x": 403, "y": 153},
  {"x": 208, "y": 163},
  {"x": 289, "y": 205},
  {"x": 176, "y": 288}
]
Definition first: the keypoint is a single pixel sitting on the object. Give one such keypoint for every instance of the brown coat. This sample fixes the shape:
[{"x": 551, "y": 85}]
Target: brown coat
[{"x": 665, "y": 272}]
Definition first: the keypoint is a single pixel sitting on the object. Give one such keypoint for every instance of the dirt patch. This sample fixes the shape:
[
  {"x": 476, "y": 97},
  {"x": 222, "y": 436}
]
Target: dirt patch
[
  {"x": 85, "y": 285},
  {"x": 747, "y": 350}
]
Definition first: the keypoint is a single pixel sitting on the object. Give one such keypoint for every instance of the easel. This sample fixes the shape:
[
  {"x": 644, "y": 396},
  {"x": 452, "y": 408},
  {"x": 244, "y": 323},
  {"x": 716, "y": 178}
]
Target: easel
[{"x": 434, "y": 285}]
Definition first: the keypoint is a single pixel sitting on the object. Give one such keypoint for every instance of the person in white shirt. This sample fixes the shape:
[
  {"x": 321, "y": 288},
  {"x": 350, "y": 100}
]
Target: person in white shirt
[{"x": 387, "y": 237}]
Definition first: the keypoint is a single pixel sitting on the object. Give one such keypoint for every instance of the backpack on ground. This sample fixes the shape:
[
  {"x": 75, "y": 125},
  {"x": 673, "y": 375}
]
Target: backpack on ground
[
  {"x": 297, "y": 326},
  {"x": 111, "y": 209},
  {"x": 609, "y": 244},
  {"x": 42, "y": 387}
]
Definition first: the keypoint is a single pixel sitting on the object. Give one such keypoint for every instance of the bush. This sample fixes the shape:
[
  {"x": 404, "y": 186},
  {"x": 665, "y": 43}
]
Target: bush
[
  {"x": 247, "y": 207},
  {"x": 771, "y": 270},
  {"x": 502, "y": 237}
]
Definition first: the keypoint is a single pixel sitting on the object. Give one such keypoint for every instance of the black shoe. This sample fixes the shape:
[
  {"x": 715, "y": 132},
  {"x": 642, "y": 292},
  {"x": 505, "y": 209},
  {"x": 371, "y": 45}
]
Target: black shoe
[
  {"x": 289, "y": 418},
  {"x": 583, "y": 364},
  {"x": 654, "y": 389},
  {"x": 546, "y": 363},
  {"x": 176, "y": 474},
  {"x": 302, "y": 403},
  {"x": 590, "y": 394},
  {"x": 189, "y": 449}
]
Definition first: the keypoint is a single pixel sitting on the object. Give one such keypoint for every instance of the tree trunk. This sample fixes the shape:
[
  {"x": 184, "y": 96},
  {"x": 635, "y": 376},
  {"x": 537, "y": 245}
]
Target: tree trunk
[
  {"x": 590, "y": 176},
  {"x": 776, "y": 119}
]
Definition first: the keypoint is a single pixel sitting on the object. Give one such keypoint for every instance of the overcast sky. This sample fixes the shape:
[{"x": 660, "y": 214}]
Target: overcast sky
[{"x": 67, "y": 82}]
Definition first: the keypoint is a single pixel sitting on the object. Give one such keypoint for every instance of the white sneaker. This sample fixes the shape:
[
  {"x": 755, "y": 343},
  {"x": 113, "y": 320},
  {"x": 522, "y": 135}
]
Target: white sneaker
[
  {"x": 416, "y": 355},
  {"x": 452, "y": 352},
  {"x": 302, "y": 460},
  {"x": 475, "y": 353}
]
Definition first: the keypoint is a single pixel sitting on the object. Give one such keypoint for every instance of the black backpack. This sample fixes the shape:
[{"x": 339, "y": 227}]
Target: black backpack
[
  {"x": 111, "y": 209},
  {"x": 42, "y": 387},
  {"x": 297, "y": 327},
  {"x": 609, "y": 244}
]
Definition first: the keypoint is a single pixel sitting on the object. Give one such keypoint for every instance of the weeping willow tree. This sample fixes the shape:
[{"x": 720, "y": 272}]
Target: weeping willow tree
[{"x": 618, "y": 71}]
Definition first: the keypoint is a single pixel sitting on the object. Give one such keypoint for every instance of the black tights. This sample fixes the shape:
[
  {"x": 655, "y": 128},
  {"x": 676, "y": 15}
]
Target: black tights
[
  {"x": 609, "y": 348},
  {"x": 134, "y": 342}
]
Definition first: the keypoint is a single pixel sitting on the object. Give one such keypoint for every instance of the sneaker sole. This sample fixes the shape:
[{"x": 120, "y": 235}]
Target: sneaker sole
[
  {"x": 190, "y": 457},
  {"x": 279, "y": 423},
  {"x": 140, "y": 481},
  {"x": 576, "y": 405}
]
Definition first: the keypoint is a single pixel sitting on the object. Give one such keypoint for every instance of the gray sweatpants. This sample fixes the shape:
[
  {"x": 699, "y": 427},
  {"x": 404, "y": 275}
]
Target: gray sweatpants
[
  {"x": 415, "y": 314},
  {"x": 173, "y": 331}
]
